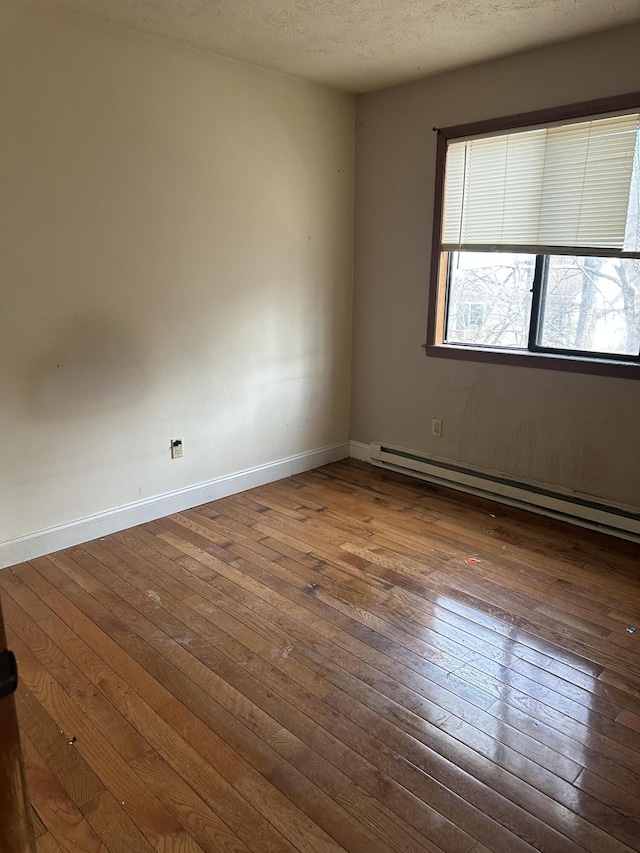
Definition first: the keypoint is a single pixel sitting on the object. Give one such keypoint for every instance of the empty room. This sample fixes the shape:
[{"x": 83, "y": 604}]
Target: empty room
[{"x": 319, "y": 406}]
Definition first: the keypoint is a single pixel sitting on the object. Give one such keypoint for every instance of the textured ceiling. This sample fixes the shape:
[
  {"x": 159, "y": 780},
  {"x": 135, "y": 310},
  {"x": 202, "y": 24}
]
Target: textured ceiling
[{"x": 360, "y": 45}]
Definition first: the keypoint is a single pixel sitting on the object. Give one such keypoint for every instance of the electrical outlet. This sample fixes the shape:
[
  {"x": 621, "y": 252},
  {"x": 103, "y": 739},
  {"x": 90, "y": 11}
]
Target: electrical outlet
[
  {"x": 436, "y": 427},
  {"x": 177, "y": 448}
]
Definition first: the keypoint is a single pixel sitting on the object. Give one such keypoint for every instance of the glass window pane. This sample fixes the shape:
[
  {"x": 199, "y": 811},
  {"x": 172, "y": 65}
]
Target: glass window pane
[
  {"x": 489, "y": 299},
  {"x": 592, "y": 305}
]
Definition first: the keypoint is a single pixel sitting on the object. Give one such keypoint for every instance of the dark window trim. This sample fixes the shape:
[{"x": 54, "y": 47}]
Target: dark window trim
[
  {"x": 545, "y": 361},
  {"x": 537, "y": 299},
  {"x": 434, "y": 346}
]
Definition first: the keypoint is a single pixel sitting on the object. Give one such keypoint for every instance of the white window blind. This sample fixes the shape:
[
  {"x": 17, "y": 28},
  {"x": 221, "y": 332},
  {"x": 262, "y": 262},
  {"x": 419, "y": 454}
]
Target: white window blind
[{"x": 552, "y": 188}]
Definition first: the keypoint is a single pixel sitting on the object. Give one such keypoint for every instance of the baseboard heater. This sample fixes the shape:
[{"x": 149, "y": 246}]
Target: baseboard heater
[{"x": 578, "y": 509}]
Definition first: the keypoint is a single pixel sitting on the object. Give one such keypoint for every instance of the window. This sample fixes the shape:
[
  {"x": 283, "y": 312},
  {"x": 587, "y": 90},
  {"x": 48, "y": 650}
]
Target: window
[{"x": 537, "y": 240}]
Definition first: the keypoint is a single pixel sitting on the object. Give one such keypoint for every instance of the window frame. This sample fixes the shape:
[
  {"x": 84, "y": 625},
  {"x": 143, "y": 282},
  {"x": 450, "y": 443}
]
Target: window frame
[{"x": 535, "y": 356}]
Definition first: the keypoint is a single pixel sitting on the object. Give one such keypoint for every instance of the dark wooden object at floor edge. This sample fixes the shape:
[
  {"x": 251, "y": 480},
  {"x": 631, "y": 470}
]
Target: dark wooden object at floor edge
[{"x": 16, "y": 834}]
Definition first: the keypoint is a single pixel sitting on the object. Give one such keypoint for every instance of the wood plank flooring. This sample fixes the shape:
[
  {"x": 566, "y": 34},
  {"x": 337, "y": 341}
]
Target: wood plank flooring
[{"x": 344, "y": 660}]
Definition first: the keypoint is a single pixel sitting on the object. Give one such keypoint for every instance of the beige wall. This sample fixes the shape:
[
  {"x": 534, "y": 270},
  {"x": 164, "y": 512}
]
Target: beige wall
[
  {"x": 175, "y": 260},
  {"x": 570, "y": 430}
]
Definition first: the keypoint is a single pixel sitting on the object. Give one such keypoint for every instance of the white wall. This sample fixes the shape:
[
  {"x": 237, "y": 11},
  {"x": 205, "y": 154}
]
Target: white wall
[
  {"x": 570, "y": 430},
  {"x": 175, "y": 260}
]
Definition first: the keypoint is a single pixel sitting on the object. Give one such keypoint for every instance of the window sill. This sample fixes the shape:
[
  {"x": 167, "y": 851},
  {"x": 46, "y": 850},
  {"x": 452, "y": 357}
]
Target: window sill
[{"x": 545, "y": 361}]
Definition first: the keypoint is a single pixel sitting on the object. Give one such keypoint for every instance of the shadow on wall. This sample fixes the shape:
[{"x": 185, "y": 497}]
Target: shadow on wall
[{"x": 92, "y": 365}]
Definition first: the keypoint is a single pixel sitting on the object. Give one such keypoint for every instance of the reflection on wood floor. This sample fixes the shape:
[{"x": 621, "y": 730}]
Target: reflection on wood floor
[{"x": 346, "y": 659}]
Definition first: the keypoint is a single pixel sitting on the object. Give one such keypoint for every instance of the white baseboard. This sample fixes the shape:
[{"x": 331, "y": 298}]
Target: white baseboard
[
  {"x": 112, "y": 520},
  {"x": 360, "y": 451},
  {"x": 553, "y": 501}
]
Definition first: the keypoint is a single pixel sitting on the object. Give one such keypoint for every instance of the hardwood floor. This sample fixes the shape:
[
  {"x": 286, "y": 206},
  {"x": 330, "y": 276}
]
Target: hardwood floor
[{"x": 346, "y": 659}]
